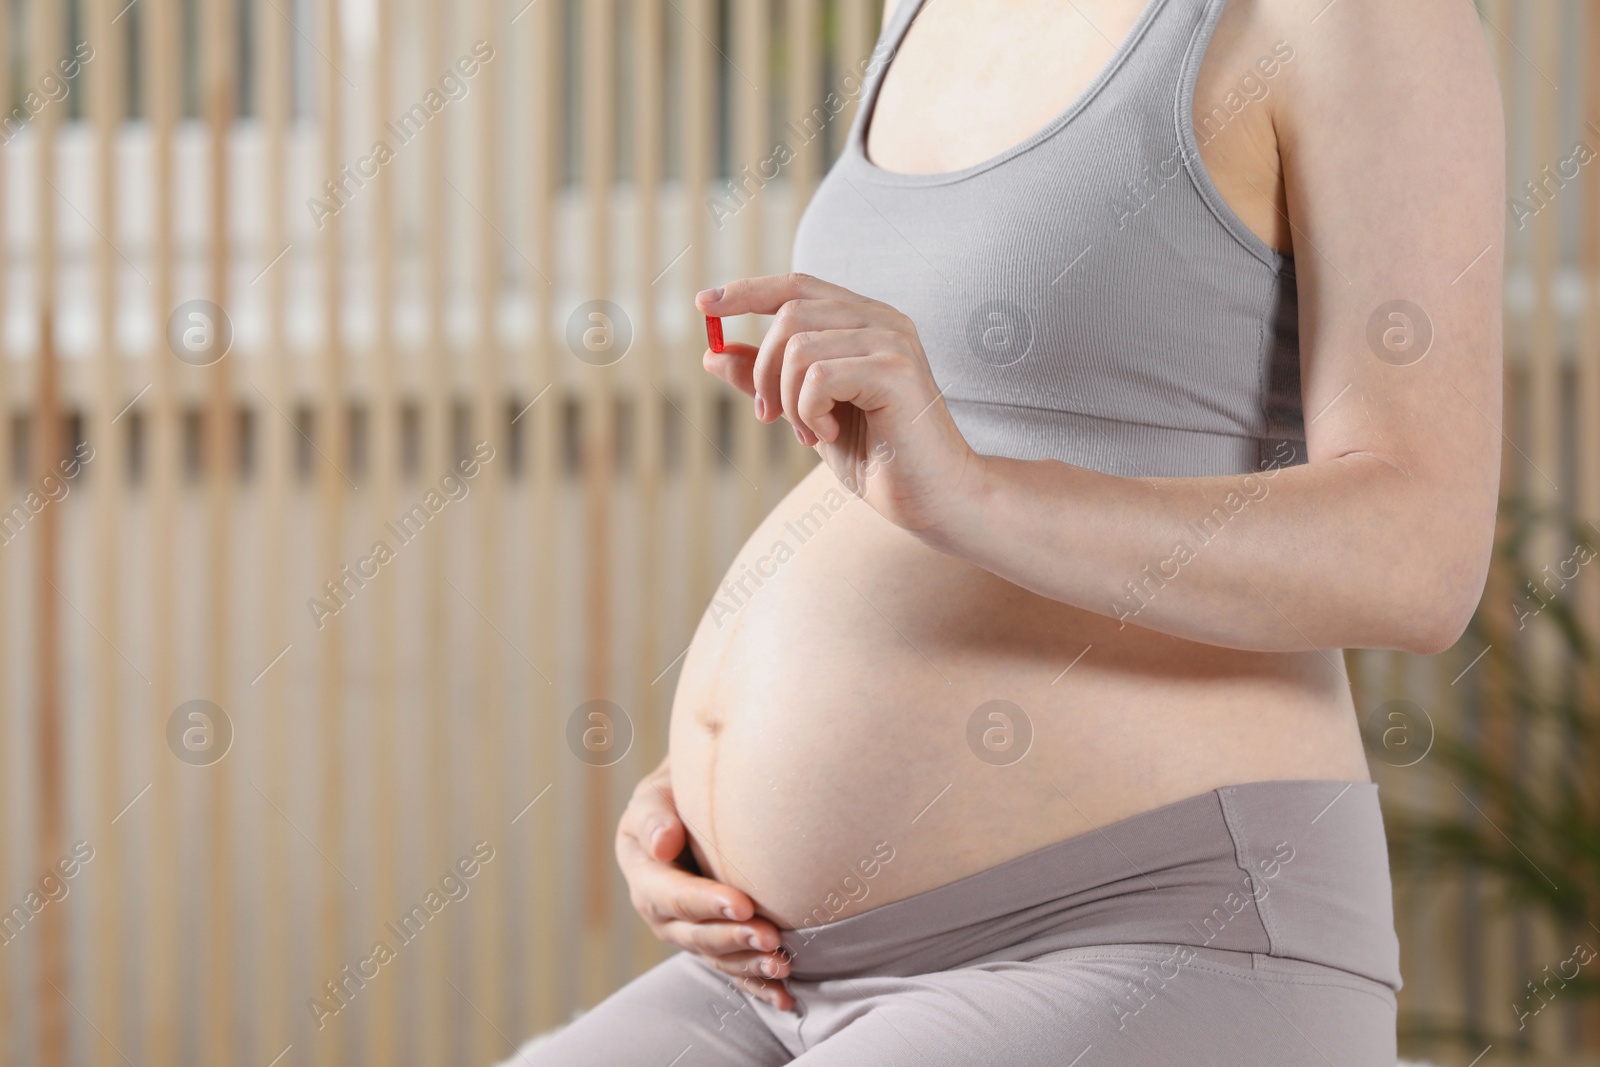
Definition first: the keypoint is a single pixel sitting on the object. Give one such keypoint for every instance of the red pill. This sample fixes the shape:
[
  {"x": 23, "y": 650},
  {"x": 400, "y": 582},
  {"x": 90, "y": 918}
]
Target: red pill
[{"x": 714, "y": 333}]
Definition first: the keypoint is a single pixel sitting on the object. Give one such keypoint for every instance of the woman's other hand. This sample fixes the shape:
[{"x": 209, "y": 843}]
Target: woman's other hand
[{"x": 714, "y": 921}]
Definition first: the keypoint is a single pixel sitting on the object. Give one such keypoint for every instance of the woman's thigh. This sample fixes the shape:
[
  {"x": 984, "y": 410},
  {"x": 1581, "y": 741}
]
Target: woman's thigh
[
  {"x": 1103, "y": 1008},
  {"x": 1119, "y": 1006},
  {"x": 679, "y": 1013}
]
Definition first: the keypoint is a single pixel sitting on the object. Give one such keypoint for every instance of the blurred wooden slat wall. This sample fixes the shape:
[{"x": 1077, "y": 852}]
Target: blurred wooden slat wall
[{"x": 374, "y": 349}]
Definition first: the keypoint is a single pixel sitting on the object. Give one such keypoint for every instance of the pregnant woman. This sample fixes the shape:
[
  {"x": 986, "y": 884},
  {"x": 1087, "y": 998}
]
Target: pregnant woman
[{"x": 1152, "y": 352}]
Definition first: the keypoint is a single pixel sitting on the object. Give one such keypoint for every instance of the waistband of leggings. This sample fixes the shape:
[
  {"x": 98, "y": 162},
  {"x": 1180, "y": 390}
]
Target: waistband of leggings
[{"x": 1291, "y": 869}]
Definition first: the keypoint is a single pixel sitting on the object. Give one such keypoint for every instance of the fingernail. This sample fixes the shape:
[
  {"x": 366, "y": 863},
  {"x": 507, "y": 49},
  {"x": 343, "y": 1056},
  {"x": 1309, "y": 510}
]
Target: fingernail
[
  {"x": 754, "y": 941},
  {"x": 761, "y": 408},
  {"x": 798, "y": 436},
  {"x": 655, "y": 837},
  {"x": 727, "y": 909},
  {"x": 769, "y": 967},
  {"x": 709, "y": 296}
]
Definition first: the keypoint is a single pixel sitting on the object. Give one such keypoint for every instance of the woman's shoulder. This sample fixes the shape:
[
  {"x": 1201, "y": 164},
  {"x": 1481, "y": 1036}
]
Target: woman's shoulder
[{"x": 1372, "y": 47}]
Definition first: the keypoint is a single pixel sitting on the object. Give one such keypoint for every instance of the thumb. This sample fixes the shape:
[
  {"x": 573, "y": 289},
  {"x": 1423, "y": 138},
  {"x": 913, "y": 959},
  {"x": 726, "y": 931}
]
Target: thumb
[
  {"x": 663, "y": 833},
  {"x": 667, "y": 839}
]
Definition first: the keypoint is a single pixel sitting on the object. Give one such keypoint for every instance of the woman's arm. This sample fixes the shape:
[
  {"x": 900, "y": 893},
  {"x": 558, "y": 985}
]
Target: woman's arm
[
  {"x": 1390, "y": 133},
  {"x": 1392, "y": 147}
]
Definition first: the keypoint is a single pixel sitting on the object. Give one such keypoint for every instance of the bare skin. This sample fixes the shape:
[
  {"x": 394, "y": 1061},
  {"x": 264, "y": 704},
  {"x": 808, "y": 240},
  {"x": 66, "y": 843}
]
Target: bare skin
[{"x": 830, "y": 709}]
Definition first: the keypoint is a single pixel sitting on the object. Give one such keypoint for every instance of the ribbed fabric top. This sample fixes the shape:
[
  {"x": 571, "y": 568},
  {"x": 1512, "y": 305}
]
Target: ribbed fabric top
[{"x": 1086, "y": 295}]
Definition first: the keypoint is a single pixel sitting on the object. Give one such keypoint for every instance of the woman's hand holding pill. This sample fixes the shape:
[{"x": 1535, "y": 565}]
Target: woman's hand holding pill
[{"x": 850, "y": 375}]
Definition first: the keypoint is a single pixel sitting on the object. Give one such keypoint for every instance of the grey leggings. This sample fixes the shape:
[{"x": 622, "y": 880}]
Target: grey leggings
[{"x": 1248, "y": 925}]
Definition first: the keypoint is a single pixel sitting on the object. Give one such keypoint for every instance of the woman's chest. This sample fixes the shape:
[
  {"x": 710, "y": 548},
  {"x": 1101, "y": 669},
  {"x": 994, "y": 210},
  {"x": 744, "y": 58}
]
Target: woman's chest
[{"x": 970, "y": 80}]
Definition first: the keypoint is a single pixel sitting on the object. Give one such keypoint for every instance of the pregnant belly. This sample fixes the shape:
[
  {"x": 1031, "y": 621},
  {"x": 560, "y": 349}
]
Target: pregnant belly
[{"x": 861, "y": 718}]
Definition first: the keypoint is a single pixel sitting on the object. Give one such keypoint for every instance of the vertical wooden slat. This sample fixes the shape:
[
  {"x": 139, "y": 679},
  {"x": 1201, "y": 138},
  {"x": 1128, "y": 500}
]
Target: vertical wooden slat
[
  {"x": 52, "y": 1010},
  {"x": 694, "y": 405},
  {"x": 273, "y": 996},
  {"x": 858, "y": 28},
  {"x": 1587, "y": 467},
  {"x": 804, "y": 94},
  {"x": 551, "y": 999},
  {"x": 105, "y": 479},
  {"x": 8, "y": 683},
  {"x": 599, "y": 429},
  {"x": 1433, "y": 918},
  {"x": 1543, "y": 744},
  {"x": 383, "y": 458},
  {"x": 1493, "y": 932},
  {"x": 162, "y": 945},
  {"x": 332, "y": 433},
  {"x": 1484, "y": 925},
  {"x": 437, "y": 999},
  {"x": 217, "y": 1019},
  {"x": 752, "y": 105},
  {"x": 488, "y": 417},
  {"x": 1588, "y": 435},
  {"x": 1484, "y": 929},
  {"x": 649, "y": 700}
]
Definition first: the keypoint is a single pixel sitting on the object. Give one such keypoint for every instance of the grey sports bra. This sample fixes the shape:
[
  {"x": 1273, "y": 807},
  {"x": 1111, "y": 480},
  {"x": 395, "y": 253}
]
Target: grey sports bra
[{"x": 1086, "y": 295}]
